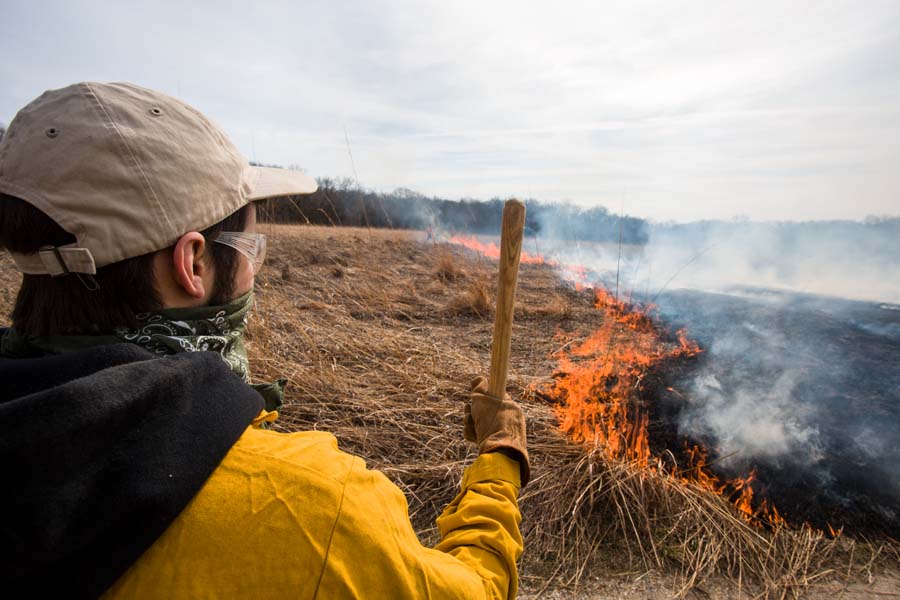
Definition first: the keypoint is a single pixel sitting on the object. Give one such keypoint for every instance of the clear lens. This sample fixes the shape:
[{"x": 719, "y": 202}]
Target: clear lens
[
  {"x": 260, "y": 253},
  {"x": 251, "y": 245}
]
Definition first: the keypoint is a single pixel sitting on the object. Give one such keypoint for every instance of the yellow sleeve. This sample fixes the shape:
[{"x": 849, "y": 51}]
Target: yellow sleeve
[
  {"x": 480, "y": 526},
  {"x": 374, "y": 552}
]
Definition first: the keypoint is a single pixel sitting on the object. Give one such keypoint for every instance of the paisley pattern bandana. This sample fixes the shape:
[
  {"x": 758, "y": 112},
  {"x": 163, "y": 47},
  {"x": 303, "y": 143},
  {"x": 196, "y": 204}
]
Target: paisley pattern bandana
[{"x": 207, "y": 328}]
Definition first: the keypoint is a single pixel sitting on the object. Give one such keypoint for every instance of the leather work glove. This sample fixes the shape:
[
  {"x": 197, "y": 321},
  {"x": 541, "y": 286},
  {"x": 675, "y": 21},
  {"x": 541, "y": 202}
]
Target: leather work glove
[{"x": 497, "y": 426}]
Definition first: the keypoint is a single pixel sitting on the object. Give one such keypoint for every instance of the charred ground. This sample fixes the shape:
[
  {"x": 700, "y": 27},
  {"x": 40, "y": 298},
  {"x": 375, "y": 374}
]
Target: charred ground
[{"x": 816, "y": 379}]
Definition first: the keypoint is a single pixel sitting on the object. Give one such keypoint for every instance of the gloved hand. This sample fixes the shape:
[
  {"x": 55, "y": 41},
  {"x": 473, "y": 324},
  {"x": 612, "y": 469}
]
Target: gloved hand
[{"x": 497, "y": 426}]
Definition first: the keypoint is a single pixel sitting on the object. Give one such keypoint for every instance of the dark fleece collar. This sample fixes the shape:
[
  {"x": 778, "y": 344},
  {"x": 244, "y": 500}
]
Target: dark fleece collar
[{"x": 101, "y": 450}]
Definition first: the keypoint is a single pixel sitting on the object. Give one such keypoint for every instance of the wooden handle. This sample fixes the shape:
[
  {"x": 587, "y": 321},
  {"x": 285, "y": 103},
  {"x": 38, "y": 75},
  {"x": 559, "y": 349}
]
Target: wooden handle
[{"x": 510, "y": 251}]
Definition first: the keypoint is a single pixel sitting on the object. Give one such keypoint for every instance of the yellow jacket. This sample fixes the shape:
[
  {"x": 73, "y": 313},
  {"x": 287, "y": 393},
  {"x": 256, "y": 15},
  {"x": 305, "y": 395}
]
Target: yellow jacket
[{"x": 290, "y": 515}]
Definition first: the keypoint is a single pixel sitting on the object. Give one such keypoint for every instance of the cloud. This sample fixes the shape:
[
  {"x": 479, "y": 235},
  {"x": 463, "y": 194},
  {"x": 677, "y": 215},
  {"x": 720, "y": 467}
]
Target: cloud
[{"x": 772, "y": 110}]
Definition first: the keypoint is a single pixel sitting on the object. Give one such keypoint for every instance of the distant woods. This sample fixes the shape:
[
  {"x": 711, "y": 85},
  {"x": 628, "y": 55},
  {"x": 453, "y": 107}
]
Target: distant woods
[{"x": 341, "y": 202}]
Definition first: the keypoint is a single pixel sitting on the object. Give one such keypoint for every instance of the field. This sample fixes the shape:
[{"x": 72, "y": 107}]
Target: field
[{"x": 379, "y": 334}]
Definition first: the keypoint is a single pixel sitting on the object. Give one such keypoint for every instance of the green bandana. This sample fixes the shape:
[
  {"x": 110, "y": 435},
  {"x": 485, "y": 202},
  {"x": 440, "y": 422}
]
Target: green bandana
[
  {"x": 205, "y": 328},
  {"x": 170, "y": 331}
]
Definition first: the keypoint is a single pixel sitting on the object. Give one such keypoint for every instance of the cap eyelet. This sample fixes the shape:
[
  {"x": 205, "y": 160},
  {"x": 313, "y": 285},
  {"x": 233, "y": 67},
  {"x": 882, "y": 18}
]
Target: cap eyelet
[
  {"x": 156, "y": 111},
  {"x": 52, "y": 132}
]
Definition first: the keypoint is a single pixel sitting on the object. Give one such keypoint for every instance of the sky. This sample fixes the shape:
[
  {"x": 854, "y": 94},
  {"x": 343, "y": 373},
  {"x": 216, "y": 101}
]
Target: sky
[{"x": 673, "y": 111}]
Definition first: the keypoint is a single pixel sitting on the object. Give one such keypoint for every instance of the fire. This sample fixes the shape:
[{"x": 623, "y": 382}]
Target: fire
[
  {"x": 492, "y": 250},
  {"x": 742, "y": 498},
  {"x": 744, "y": 494},
  {"x": 596, "y": 380},
  {"x": 596, "y": 387},
  {"x": 698, "y": 471}
]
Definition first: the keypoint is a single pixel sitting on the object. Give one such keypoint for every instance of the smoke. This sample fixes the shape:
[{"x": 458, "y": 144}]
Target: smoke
[
  {"x": 751, "y": 424},
  {"x": 416, "y": 207},
  {"x": 800, "y": 375},
  {"x": 843, "y": 259},
  {"x": 799, "y": 380}
]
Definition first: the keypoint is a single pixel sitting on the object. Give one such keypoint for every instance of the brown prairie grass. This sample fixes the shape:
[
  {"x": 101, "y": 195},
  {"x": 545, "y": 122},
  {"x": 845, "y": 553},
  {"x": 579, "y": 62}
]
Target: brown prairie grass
[
  {"x": 474, "y": 301},
  {"x": 447, "y": 269},
  {"x": 558, "y": 308},
  {"x": 377, "y": 357}
]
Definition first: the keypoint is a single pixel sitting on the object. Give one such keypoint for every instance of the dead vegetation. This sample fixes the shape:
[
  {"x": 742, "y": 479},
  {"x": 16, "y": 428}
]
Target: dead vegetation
[
  {"x": 474, "y": 301},
  {"x": 558, "y": 307},
  {"x": 381, "y": 356},
  {"x": 447, "y": 269}
]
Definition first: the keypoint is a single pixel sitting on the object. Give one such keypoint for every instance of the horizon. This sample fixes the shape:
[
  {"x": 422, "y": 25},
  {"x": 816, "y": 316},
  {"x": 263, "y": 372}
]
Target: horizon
[
  {"x": 767, "y": 111},
  {"x": 870, "y": 219}
]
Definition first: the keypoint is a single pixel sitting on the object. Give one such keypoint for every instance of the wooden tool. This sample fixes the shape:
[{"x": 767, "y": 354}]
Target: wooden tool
[{"x": 510, "y": 251}]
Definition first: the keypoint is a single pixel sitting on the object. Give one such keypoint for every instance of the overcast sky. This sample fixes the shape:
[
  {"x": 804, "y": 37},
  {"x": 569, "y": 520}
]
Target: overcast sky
[{"x": 678, "y": 111}]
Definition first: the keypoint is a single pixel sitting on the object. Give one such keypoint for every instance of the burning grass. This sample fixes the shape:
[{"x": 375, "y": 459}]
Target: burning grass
[
  {"x": 663, "y": 517},
  {"x": 379, "y": 357}
]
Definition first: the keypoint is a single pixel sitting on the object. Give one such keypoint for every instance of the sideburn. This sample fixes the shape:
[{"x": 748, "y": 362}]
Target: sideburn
[{"x": 225, "y": 259}]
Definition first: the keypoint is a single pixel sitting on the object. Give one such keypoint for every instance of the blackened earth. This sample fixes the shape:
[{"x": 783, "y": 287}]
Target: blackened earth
[{"x": 826, "y": 369}]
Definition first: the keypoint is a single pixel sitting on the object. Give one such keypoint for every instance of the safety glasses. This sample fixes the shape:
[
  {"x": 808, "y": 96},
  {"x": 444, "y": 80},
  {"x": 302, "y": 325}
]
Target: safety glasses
[{"x": 251, "y": 245}]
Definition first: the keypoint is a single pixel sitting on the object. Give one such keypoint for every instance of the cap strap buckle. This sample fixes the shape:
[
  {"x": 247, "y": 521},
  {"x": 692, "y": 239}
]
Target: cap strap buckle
[
  {"x": 56, "y": 261},
  {"x": 61, "y": 263}
]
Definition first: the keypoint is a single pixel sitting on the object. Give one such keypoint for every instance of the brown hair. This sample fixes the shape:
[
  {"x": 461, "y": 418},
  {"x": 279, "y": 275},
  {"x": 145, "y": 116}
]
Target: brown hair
[{"x": 64, "y": 305}]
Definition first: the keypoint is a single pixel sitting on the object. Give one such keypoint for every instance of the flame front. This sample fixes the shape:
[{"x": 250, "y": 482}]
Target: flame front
[
  {"x": 596, "y": 386},
  {"x": 492, "y": 250},
  {"x": 596, "y": 389},
  {"x": 596, "y": 381}
]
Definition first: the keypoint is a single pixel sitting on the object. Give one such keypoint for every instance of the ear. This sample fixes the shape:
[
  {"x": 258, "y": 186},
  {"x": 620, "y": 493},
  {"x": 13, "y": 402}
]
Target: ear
[{"x": 189, "y": 266}]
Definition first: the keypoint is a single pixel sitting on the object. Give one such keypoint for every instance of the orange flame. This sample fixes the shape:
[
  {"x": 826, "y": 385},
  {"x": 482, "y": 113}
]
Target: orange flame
[
  {"x": 744, "y": 492},
  {"x": 492, "y": 250},
  {"x": 596, "y": 381},
  {"x": 596, "y": 389}
]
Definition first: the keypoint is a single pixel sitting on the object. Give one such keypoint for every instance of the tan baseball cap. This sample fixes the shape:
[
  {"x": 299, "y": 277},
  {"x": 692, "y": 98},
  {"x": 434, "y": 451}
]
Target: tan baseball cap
[{"x": 127, "y": 171}]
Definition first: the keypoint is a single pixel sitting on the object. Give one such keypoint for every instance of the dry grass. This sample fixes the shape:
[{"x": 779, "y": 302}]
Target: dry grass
[
  {"x": 447, "y": 269},
  {"x": 474, "y": 301},
  {"x": 557, "y": 307},
  {"x": 604, "y": 516},
  {"x": 377, "y": 356}
]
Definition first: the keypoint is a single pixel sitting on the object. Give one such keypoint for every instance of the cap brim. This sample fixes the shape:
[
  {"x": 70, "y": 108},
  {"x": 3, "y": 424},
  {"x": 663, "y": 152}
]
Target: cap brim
[{"x": 272, "y": 183}]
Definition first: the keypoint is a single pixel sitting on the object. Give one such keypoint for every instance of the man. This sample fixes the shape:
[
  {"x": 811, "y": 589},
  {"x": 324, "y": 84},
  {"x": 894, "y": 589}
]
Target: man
[{"x": 132, "y": 442}]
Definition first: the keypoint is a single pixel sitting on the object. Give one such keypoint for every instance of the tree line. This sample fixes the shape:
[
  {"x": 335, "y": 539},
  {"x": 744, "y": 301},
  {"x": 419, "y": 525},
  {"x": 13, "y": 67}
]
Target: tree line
[{"x": 341, "y": 202}]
